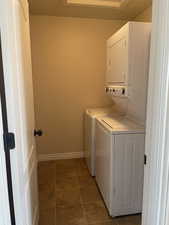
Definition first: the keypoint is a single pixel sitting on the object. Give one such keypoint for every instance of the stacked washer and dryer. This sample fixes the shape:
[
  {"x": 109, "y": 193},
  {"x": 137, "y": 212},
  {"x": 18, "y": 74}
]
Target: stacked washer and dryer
[{"x": 115, "y": 143}]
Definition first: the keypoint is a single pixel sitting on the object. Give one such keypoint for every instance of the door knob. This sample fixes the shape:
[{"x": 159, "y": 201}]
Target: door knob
[{"x": 38, "y": 133}]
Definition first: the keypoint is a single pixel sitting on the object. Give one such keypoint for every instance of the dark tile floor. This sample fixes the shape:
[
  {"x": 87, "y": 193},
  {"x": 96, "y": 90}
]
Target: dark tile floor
[{"x": 69, "y": 196}]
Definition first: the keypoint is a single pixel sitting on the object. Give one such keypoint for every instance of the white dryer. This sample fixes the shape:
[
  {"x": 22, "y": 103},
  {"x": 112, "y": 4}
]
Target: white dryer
[
  {"x": 89, "y": 133},
  {"x": 120, "y": 164}
]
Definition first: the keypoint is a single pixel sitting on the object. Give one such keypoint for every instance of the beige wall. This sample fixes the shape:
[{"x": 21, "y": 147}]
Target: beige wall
[
  {"x": 69, "y": 61},
  {"x": 145, "y": 16}
]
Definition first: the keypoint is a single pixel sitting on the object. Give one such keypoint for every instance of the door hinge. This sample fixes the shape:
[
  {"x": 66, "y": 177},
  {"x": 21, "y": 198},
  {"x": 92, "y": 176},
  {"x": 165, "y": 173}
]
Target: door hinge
[
  {"x": 9, "y": 140},
  {"x": 145, "y": 160}
]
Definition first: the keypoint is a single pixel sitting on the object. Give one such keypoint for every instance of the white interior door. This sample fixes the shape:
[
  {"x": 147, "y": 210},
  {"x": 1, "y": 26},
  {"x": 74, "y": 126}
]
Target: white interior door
[
  {"x": 156, "y": 184},
  {"x": 14, "y": 28},
  {"x": 4, "y": 206}
]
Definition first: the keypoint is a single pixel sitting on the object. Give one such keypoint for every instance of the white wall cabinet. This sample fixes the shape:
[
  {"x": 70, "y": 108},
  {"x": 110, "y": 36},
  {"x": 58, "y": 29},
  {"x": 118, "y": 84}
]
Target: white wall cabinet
[{"x": 119, "y": 170}]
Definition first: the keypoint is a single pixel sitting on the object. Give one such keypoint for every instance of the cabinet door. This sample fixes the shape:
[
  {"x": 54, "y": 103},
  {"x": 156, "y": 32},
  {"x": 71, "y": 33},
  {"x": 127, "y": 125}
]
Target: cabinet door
[
  {"x": 128, "y": 173},
  {"x": 117, "y": 61},
  {"x": 103, "y": 160}
]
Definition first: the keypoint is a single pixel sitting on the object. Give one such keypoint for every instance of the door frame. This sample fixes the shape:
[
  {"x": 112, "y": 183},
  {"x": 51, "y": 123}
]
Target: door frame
[{"x": 156, "y": 183}]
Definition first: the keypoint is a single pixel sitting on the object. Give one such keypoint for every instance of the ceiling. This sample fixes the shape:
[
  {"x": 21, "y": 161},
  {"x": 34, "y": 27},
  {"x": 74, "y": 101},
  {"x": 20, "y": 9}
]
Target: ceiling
[{"x": 102, "y": 9}]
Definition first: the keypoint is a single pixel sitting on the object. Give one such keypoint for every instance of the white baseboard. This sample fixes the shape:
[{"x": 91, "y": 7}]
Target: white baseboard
[{"x": 57, "y": 156}]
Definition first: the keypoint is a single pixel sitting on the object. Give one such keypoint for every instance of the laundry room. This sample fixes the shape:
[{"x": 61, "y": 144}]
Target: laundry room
[{"x": 90, "y": 65}]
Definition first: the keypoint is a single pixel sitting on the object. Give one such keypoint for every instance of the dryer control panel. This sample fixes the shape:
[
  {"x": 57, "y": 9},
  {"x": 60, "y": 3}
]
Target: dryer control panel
[{"x": 117, "y": 91}]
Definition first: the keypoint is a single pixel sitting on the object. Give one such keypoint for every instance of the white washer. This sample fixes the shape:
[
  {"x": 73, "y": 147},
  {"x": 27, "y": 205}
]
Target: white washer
[
  {"x": 120, "y": 164},
  {"x": 89, "y": 148}
]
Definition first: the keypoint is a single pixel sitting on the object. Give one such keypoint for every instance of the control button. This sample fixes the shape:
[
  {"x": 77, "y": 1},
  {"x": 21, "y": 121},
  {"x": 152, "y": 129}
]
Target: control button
[{"x": 123, "y": 91}]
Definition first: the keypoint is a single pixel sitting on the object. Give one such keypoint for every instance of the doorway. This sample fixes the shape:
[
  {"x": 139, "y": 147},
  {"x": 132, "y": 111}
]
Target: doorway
[{"x": 158, "y": 143}]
